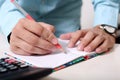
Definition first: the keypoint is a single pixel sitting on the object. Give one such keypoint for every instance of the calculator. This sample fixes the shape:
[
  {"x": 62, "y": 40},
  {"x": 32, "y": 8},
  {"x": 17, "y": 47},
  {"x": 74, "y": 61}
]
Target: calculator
[{"x": 12, "y": 69}]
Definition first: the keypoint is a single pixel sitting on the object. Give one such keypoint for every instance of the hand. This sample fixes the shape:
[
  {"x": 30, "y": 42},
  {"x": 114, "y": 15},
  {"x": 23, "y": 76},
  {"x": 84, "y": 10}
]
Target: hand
[
  {"x": 93, "y": 39},
  {"x": 30, "y": 37}
]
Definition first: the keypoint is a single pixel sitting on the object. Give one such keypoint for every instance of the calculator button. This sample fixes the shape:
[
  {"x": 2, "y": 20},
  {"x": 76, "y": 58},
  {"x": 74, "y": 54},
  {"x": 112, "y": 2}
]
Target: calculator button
[
  {"x": 10, "y": 66},
  {"x": 23, "y": 66},
  {"x": 2, "y": 63},
  {"x": 13, "y": 68},
  {"x": 1, "y": 60},
  {"x": 3, "y": 69},
  {"x": 6, "y": 64}
]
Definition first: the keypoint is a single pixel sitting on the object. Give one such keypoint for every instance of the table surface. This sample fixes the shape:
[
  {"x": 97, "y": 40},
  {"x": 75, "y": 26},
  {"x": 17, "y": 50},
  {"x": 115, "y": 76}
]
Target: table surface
[{"x": 104, "y": 67}]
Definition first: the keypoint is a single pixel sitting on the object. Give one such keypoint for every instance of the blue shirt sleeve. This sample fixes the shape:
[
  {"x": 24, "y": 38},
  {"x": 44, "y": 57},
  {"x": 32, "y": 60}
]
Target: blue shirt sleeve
[
  {"x": 9, "y": 16},
  {"x": 1, "y": 2},
  {"x": 47, "y": 11},
  {"x": 106, "y": 12}
]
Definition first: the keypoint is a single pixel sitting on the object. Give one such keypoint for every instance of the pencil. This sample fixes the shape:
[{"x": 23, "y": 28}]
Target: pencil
[
  {"x": 78, "y": 60},
  {"x": 30, "y": 18}
]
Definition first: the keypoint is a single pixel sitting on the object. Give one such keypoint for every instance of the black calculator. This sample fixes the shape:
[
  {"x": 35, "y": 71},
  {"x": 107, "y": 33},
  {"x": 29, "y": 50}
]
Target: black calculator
[{"x": 12, "y": 69}]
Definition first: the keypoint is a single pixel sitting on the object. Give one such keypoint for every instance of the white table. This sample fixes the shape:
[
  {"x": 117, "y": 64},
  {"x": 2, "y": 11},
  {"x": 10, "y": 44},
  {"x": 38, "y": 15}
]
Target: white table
[{"x": 105, "y": 67}]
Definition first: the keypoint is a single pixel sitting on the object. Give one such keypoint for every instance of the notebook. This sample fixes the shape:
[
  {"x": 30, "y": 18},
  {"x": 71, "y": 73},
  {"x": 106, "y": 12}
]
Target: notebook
[{"x": 52, "y": 60}]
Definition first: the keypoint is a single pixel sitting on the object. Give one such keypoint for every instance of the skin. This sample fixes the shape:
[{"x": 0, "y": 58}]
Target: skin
[
  {"x": 94, "y": 39},
  {"x": 30, "y": 37}
]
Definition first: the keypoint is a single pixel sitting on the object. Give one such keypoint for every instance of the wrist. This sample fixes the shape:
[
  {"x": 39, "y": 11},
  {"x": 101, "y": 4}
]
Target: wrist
[{"x": 109, "y": 29}]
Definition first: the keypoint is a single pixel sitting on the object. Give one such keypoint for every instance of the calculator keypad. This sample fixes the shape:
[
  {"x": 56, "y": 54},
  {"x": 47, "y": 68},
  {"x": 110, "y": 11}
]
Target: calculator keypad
[
  {"x": 14, "y": 69},
  {"x": 8, "y": 64}
]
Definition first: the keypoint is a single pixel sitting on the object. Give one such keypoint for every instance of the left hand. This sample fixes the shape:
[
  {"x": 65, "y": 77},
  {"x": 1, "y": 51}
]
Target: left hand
[{"x": 93, "y": 39}]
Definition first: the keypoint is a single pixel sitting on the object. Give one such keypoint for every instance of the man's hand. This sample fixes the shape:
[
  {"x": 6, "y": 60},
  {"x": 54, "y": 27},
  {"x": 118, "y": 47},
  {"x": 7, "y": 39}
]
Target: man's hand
[
  {"x": 29, "y": 37},
  {"x": 94, "y": 39}
]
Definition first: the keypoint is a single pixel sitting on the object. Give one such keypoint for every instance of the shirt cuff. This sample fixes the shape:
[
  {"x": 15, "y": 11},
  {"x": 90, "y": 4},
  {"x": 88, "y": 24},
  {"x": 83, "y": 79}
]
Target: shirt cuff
[
  {"x": 106, "y": 14},
  {"x": 8, "y": 37}
]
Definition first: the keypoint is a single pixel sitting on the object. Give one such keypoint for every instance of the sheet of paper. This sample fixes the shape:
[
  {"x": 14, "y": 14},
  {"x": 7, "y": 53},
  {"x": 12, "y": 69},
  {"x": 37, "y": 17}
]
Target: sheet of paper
[{"x": 52, "y": 60}]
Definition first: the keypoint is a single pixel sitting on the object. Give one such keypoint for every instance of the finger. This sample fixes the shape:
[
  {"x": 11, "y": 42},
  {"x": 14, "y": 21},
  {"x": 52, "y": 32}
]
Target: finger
[
  {"x": 74, "y": 38},
  {"x": 94, "y": 44},
  {"x": 36, "y": 41},
  {"x": 31, "y": 26},
  {"x": 66, "y": 36},
  {"x": 26, "y": 36},
  {"x": 86, "y": 40},
  {"x": 15, "y": 41},
  {"x": 47, "y": 26},
  {"x": 45, "y": 31},
  {"x": 19, "y": 51},
  {"x": 32, "y": 39},
  {"x": 49, "y": 36},
  {"x": 43, "y": 44},
  {"x": 39, "y": 30},
  {"x": 103, "y": 47},
  {"x": 31, "y": 49},
  {"x": 14, "y": 47}
]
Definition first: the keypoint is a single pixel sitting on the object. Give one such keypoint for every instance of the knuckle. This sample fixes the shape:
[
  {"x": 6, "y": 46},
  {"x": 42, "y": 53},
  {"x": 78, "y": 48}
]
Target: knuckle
[
  {"x": 100, "y": 37},
  {"x": 93, "y": 33},
  {"x": 107, "y": 37},
  {"x": 39, "y": 30}
]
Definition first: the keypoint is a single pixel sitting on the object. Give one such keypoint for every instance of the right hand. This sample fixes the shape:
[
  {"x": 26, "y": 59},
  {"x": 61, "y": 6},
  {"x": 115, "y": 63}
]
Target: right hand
[{"x": 29, "y": 37}]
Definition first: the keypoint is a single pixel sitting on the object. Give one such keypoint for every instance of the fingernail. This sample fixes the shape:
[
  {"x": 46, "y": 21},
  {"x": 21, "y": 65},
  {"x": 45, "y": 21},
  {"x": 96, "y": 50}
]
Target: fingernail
[
  {"x": 87, "y": 49},
  {"x": 54, "y": 41},
  {"x": 81, "y": 47}
]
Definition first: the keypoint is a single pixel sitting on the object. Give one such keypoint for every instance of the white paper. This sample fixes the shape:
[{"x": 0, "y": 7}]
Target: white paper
[{"x": 52, "y": 60}]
